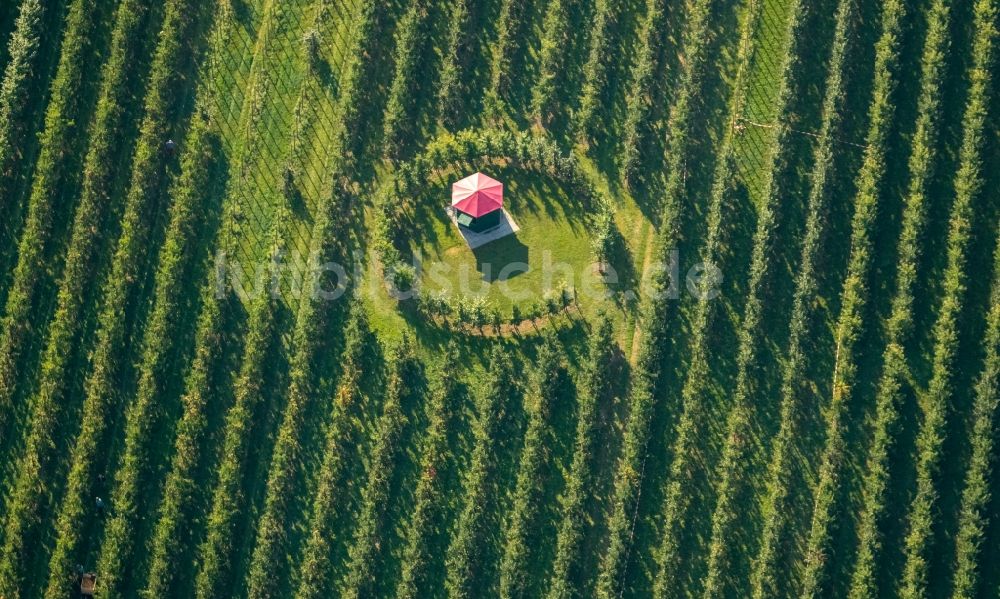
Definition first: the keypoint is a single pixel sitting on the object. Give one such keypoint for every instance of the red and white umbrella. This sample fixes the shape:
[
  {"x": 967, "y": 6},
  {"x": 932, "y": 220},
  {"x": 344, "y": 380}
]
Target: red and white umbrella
[{"x": 477, "y": 195}]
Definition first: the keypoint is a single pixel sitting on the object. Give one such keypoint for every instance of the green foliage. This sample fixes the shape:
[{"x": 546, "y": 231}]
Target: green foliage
[
  {"x": 268, "y": 564},
  {"x": 640, "y": 98},
  {"x": 269, "y": 567},
  {"x": 176, "y": 262},
  {"x": 551, "y": 62},
  {"x": 655, "y": 314},
  {"x": 216, "y": 550},
  {"x": 398, "y": 126},
  {"x": 311, "y": 43},
  {"x": 508, "y": 25},
  {"x": 974, "y": 516},
  {"x": 179, "y": 254},
  {"x": 55, "y": 177},
  {"x": 855, "y": 292},
  {"x": 172, "y": 538},
  {"x": 15, "y": 91},
  {"x": 578, "y": 496},
  {"x": 767, "y": 579},
  {"x": 595, "y": 70},
  {"x": 426, "y": 515},
  {"x": 920, "y": 542},
  {"x": 682, "y": 466},
  {"x": 731, "y": 467},
  {"x": 462, "y": 313},
  {"x": 605, "y": 238},
  {"x": 296, "y": 494},
  {"x": 98, "y": 205},
  {"x": 522, "y": 523},
  {"x": 456, "y": 57},
  {"x": 149, "y": 181},
  {"x": 464, "y": 558},
  {"x": 353, "y": 85},
  {"x": 22, "y": 78},
  {"x": 865, "y": 581},
  {"x": 370, "y": 532},
  {"x": 316, "y": 564}
]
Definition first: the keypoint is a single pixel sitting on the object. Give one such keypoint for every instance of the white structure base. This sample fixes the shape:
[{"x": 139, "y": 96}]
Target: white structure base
[{"x": 474, "y": 240}]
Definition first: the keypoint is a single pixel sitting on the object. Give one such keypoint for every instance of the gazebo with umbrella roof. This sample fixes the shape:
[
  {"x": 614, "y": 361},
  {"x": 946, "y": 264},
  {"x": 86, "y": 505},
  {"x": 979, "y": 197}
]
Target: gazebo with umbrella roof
[{"x": 478, "y": 202}]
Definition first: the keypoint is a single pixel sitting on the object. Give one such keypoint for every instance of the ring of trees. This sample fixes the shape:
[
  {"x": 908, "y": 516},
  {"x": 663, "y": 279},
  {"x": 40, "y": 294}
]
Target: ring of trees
[{"x": 531, "y": 152}]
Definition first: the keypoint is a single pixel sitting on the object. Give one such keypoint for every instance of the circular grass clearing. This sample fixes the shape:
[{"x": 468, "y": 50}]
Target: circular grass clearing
[
  {"x": 462, "y": 287},
  {"x": 550, "y": 253}
]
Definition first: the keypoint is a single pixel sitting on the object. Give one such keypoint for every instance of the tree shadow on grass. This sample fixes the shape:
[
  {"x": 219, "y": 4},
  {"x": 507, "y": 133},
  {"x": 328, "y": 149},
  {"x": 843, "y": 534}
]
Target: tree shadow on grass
[
  {"x": 622, "y": 277},
  {"x": 502, "y": 260},
  {"x": 612, "y": 412},
  {"x": 243, "y": 13},
  {"x": 326, "y": 77}
]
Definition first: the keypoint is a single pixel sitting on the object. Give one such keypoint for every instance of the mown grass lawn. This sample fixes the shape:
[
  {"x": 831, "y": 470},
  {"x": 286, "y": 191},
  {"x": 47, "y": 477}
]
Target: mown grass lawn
[{"x": 550, "y": 252}]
